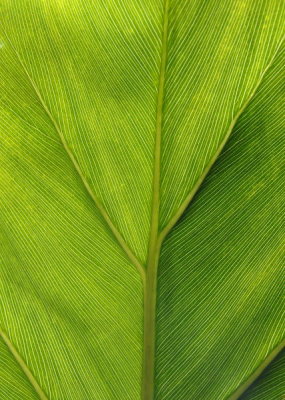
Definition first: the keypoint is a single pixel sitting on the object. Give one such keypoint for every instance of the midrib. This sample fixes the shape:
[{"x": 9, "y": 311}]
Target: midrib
[{"x": 154, "y": 242}]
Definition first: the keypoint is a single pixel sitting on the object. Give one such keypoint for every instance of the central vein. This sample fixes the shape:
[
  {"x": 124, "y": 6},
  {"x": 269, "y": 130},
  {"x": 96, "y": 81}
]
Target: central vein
[{"x": 154, "y": 242}]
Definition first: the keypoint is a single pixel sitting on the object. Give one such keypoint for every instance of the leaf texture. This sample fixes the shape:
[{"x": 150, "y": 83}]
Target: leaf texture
[
  {"x": 72, "y": 291},
  {"x": 14, "y": 382},
  {"x": 96, "y": 67},
  {"x": 270, "y": 385},
  {"x": 113, "y": 115},
  {"x": 217, "y": 52},
  {"x": 220, "y": 273}
]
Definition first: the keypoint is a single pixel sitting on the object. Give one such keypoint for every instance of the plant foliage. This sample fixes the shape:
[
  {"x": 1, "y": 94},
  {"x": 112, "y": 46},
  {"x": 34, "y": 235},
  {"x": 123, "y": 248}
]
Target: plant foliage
[{"x": 142, "y": 199}]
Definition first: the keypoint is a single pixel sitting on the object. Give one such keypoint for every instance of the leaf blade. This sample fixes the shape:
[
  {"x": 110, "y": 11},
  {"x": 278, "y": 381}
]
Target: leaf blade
[
  {"x": 72, "y": 291},
  {"x": 226, "y": 237},
  {"x": 98, "y": 79},
  {"x": 270, "y": 385},
  {"x": 216, "y": 55},
  {"x": 14, "y": 383}
]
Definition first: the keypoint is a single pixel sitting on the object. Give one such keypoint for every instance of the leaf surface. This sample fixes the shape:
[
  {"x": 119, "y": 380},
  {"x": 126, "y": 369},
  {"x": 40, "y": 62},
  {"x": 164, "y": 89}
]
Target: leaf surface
[
  {"x": 220, "y": 280},
  {"x": 113, "y": 115},
  {"x": 270, "y": 385},
  {"x": 13, "y": 381}
]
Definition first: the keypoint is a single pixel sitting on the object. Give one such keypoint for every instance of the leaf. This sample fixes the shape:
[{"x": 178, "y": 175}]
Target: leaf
[{"x": 141, "y": 152}]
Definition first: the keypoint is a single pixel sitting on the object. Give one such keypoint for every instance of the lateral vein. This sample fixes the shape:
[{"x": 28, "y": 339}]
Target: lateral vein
[
  {"x": 97, "y": 202},
  {"x": 23, "y": 366},
  {"x": 252, "y": 378},
  {"x": 172, "y": 222}
]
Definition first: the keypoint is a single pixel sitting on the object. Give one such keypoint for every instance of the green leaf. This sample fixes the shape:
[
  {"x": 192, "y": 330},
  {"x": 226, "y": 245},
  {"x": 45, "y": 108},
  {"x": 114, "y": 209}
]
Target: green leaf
[{"x": 141, "y": 180}]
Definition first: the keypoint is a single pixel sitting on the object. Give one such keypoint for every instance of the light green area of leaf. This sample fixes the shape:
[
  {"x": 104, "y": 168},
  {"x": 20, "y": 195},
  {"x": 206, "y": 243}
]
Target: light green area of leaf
[
  {"x": 14, "y": 384},
  {"x": 96, "y": 98},
  {"x": 68, "y": 291},
  {"x": 270, "y": 385},
  {"x": 96, "y": 65}
]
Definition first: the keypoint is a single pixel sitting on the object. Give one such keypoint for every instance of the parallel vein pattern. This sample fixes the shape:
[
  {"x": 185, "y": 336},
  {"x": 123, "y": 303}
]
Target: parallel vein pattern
[
  {"x": 23, "y": 366},
  {"x": 270, "y": 385},
  {"x": 221, "y": 266},
  {"x": 144, "y": 118},
  {"x": 68, "y": 291},
  {"x": 179, "y": 212},
  {"x": 259, "y": 372},
  {"x": 216, "y": 54},
  {"x": 101, "y": 209},
  {"x": 13, "y": 380},
  {"x": 96, "y": 65}
]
